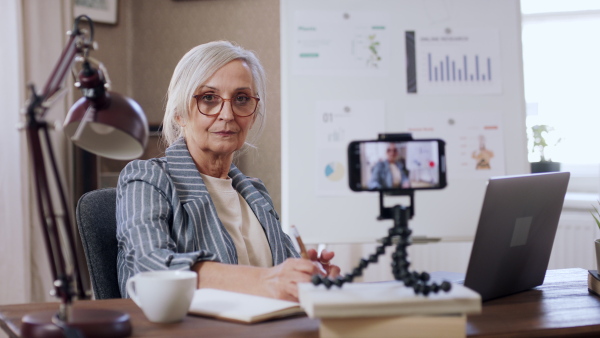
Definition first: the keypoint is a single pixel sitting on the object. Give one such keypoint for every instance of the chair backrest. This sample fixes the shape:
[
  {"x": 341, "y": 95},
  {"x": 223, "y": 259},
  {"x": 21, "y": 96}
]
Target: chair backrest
[{"x": 97, "y": 223}]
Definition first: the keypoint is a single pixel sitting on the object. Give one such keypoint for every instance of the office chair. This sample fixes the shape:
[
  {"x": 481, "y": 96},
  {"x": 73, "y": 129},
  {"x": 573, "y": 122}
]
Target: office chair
[{"x": 97, "y": 223}]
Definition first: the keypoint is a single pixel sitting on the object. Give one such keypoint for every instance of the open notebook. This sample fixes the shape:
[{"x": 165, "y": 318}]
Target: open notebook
[{"x": 240, "y": 307}]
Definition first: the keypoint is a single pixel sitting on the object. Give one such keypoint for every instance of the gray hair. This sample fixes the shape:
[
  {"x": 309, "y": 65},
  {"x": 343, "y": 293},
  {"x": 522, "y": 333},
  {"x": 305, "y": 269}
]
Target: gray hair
[{"x": 193, "y": 70}]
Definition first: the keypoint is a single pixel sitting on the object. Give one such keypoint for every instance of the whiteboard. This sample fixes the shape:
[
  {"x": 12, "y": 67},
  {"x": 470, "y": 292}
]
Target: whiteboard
[{"x": 381, "y": 100}]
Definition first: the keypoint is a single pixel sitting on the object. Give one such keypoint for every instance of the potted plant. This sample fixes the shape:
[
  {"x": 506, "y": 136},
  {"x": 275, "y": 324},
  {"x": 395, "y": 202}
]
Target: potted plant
[
  {"x": 545, "y": 164},
  {"x": 596, "y": 215}
]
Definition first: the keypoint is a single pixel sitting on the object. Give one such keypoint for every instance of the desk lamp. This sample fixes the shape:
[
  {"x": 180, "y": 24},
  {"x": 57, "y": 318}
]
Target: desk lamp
[{"x": 101, "y": 122}]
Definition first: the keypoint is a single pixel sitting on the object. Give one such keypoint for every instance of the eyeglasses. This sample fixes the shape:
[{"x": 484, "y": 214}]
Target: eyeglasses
[
  {"x": 211, "y": 104},
  {"x": 392, "y": 150}
]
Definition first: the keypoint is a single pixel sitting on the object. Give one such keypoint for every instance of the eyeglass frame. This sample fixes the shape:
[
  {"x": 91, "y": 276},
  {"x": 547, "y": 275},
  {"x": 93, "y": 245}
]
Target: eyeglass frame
[{"x": 223, "y": 105}]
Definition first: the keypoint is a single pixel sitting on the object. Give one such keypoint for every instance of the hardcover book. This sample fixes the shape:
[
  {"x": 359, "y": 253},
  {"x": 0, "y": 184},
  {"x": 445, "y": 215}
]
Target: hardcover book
[
  {"x": 384, "y": 299},
  {"x": 447, "y": 326},
  {"x": 594, "y": 282}
]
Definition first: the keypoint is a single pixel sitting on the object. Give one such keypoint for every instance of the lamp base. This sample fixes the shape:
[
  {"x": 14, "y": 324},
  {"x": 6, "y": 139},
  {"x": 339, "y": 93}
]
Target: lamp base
[{"x": 90, "y": 322}]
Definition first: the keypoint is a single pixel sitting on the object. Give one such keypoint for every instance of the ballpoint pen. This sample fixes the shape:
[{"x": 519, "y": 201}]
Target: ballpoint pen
[{"x": 303, "y": 252}]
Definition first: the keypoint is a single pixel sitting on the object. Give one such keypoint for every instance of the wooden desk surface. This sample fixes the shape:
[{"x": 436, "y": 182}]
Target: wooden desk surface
[{"x": 560, "y": 307}]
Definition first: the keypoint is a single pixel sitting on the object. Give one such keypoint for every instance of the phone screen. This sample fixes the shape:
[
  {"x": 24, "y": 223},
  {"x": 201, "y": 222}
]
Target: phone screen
[{"x": 397, "y": 165}]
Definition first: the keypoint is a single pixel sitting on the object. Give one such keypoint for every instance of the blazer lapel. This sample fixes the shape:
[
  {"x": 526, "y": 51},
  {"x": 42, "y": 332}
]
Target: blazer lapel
[
  {"x": 264, "y": 211},
  {"x": 199, "y": 209},
  {"x": 183, "y": 172}
]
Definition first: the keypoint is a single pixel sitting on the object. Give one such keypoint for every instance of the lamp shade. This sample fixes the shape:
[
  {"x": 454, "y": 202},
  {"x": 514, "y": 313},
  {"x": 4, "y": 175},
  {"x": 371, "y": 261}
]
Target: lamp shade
[{"x": 117, "y": 130}]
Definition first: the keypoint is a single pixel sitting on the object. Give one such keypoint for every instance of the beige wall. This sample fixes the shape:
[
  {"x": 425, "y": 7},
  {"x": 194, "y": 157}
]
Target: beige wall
[
  {"x": 33, "y": 36},
  {"x": 143, "y": 48},
  {"x": 16, "y": 258}
]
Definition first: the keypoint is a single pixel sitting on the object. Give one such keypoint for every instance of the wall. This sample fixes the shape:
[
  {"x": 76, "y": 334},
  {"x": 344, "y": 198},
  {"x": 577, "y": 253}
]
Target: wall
[
  {"x": 45, "y": 24},
  {"x": 32, "y": 37},
  {"x": 12, "y": 223},
  {"x": 140, "y": 53},
  {"x": 143, "y": 48},
  {"x": 176, "y": 26},
  {"x": 377, "y": 101}
]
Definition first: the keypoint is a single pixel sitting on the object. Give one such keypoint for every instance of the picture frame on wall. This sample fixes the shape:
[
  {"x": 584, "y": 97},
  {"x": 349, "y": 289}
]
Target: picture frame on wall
[{"x": 104, "y": 11}]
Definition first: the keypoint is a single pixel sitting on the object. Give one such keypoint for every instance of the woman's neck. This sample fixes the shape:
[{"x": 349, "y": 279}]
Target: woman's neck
[{"x": 213, "y": 165}]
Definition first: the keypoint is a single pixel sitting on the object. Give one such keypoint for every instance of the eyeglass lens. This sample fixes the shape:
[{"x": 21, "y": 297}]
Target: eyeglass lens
[{"x": 211, "y": 104}]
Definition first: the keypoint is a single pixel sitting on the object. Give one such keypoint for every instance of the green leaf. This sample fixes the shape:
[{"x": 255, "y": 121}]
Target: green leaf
[{"x": 597, "y": 215}]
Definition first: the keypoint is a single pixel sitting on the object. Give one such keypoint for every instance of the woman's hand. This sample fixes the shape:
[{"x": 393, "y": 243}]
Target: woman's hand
[
  {"x": 331, "y": 270},
  {"x": 281, "y": 281}
]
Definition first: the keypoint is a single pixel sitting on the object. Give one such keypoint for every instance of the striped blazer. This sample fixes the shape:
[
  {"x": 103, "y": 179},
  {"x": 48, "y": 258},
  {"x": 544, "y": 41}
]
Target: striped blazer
[{"x": 167, "y": 220}]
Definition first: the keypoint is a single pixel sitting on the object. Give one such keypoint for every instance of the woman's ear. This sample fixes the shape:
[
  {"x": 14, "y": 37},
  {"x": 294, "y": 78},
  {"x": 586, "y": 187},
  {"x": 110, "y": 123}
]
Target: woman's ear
[
  {"x": 180, "y": 121},
  {"x": 254, "y": 117}
]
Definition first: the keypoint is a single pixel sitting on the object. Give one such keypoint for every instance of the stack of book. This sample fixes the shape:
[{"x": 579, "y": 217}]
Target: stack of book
[
  {"x": 594, "y": 282},
  {"x": 388, "y": 309}
]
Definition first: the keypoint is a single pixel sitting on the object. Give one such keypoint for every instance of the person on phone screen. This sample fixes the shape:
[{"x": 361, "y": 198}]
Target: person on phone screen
[
  {"x": 390, "y": 173},
  {"x": 193, "y": 208}
]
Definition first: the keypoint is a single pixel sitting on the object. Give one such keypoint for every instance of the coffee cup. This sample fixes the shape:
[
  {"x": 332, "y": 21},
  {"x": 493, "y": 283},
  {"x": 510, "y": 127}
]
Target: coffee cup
[{"x": 164, "y": 296}]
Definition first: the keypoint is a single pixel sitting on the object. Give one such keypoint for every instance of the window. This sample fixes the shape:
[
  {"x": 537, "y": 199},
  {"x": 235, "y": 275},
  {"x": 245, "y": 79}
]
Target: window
[{"x": 561, "y": 62}]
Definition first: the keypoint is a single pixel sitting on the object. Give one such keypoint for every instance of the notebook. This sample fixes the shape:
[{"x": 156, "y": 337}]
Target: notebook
[
  {"x": 240, "y": 307},
  {"x": 515, "y": 234}
]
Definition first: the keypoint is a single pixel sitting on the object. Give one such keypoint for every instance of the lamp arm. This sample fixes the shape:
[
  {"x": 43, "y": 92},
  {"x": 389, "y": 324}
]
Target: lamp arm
[
  {"x": 57, "y": 227},
  {"x": 59, "y": 72},
  {"x": 37, "y": 133},
  {"x": 41, "y": 186},
  {"x": 75, "y": 45},
  {"x": 70, "y": 236}
]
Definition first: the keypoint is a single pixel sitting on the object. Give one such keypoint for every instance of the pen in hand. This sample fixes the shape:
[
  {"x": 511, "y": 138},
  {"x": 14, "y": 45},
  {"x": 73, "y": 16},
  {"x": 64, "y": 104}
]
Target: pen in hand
[{"x": 303, "y": 252}]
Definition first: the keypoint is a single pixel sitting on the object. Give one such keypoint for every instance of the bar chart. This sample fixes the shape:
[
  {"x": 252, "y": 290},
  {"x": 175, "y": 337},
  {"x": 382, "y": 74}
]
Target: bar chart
[
  {"x": 472, "y": 68},
  {"x": 466, "y": 62}
]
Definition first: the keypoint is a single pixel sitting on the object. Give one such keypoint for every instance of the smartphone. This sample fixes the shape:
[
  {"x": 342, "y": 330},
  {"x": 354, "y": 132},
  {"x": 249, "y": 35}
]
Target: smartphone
[{"x": 378, "y": 165}]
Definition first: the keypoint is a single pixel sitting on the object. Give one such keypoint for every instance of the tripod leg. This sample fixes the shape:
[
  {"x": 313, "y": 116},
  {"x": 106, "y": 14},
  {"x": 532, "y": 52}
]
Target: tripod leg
[{"x": 400, "y": 264}]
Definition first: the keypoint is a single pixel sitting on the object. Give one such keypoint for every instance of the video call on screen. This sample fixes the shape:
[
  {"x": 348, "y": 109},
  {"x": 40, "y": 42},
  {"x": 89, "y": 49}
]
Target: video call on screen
[{"x": 399, "y": 165}]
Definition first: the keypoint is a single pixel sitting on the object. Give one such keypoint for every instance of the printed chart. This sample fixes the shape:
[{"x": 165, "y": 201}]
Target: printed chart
[
  {"x": 474, "y": 141},
  {"x": 337, "y": 124},
  {"x": 341, "y": 43},
  {"x": 454, "y": 62},
  {"x": 468, "y": 69}
]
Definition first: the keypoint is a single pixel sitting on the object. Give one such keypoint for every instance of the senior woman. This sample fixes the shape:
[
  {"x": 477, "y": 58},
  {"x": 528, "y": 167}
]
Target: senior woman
[
  {"x": 194, "y": 209},
  {"x": 391, "y": 172}
]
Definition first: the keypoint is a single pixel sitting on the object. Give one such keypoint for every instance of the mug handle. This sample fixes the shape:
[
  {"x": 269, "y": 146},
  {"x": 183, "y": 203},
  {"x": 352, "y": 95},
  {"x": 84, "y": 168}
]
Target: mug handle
[{"x": 131, "y": 290}]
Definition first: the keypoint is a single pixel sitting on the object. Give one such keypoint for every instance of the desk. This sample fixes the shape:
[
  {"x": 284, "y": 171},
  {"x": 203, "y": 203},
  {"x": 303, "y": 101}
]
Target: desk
[{"x": 560, "y": 307}]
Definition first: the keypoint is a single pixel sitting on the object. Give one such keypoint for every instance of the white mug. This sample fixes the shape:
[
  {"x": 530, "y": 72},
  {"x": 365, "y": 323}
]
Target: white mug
[{"x": 164, "y": 296}]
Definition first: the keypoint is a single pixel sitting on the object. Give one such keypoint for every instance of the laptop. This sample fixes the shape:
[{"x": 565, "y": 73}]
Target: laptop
[{"x": 515, "y": 234}]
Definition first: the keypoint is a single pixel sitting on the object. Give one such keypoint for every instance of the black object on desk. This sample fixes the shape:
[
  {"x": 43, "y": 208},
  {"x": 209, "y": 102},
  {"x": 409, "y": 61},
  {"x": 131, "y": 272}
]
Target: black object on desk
[{"x": 400, "y": 264}]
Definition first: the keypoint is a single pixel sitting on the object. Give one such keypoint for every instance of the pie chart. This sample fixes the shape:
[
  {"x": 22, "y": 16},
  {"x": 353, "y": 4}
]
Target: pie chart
[{"x": 334, "y": 171}]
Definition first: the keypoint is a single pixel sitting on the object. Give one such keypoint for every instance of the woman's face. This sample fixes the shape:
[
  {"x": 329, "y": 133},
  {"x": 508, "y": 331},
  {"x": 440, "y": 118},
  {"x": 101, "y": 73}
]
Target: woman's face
[
  {"x": 392, "y": 153},
  {"x": 221, "y": 134}
]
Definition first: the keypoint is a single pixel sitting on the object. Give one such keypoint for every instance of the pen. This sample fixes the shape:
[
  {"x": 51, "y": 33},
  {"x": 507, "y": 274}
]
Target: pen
[{"x": 303, "y": 252}]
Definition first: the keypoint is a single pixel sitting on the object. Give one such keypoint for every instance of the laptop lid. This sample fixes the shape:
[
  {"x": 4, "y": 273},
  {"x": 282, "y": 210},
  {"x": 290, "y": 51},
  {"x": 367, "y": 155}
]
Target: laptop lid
[{"x": 516, "y": 230}]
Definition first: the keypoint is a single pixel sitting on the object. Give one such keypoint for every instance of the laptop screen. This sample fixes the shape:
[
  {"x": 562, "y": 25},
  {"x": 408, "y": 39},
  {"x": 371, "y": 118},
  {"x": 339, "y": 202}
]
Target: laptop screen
[{"x": 515, "y": 234}]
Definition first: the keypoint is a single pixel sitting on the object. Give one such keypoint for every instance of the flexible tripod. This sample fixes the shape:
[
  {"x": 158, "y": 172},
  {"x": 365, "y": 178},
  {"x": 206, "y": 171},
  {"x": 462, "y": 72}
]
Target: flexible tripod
[{"x": 400, "y": 231}]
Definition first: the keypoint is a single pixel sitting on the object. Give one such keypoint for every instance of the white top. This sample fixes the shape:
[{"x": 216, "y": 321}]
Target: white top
[
  {"x": 396, "y": 175},
  {"x": 242, "y": 225}
]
